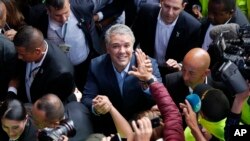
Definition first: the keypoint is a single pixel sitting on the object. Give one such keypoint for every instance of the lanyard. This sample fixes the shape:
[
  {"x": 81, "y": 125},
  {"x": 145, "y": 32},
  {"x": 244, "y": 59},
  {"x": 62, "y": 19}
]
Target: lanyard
[{"x": 64, "y": 29}]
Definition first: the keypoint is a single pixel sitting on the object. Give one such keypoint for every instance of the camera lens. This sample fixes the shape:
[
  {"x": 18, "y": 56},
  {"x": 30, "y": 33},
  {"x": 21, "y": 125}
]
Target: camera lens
[{"x": 66, "y": 127}]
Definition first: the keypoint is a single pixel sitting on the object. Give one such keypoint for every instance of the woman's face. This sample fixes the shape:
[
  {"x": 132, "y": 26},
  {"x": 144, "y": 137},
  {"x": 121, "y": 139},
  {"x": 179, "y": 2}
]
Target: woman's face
[{"x": 13, "y": 128}]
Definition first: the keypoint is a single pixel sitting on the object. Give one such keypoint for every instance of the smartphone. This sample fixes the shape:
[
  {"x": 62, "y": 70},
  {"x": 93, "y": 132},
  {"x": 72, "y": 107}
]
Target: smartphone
[{"x": 155, "y": 122}]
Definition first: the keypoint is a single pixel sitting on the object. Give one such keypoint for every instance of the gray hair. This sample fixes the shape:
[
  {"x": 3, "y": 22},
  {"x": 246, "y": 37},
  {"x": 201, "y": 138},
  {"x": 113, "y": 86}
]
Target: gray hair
[{"x": 119, "y": 29}]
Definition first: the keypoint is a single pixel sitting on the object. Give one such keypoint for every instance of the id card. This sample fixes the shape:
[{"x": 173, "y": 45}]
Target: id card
[{"x": 64, "y": 47}]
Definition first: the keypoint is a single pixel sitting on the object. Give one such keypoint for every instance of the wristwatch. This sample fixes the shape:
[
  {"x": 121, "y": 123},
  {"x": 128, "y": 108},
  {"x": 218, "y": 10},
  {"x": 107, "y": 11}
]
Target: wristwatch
[{"x": 151, "y": 80}]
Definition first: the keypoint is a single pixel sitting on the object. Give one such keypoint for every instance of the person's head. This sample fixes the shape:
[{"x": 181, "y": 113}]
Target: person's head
[
  {"x": 119, "y": 44},
  {"x": 47, "y": 111},
  {"x": 220, "y": 11},
  {"x": 214, "y": 103},
  {"x": 195, "y": 67},
  {"x": 170, "y": 10},
  {"x": 14, "y": 16},
  {"x": 3, "y": 14},
  {"x": 30, "y": 44},
  {"x": 13, "y": 118},
  {"x": 58, "y": 10}
]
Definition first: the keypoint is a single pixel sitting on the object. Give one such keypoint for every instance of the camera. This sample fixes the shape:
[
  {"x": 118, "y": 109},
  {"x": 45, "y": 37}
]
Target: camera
[
  {"x": 66, "y": 128},
  {"x": 236, "y": 50}
]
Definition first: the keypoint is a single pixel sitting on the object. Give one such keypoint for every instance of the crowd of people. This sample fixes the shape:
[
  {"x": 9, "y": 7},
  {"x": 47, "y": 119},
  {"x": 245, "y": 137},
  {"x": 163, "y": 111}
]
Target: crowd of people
[{"x": 114, "y": 70}]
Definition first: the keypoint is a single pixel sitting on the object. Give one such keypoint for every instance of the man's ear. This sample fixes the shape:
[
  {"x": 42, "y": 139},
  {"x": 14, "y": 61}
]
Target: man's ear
[
  {"x": 207, "y": 72},
  {"x": 184, "y": 4}
]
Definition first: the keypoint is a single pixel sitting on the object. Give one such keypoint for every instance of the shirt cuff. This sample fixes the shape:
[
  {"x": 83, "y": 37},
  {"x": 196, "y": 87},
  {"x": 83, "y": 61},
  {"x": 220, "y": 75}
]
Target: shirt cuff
[
  {"x": 12, "y": 89},
  {"x": 100, "y": 15}
]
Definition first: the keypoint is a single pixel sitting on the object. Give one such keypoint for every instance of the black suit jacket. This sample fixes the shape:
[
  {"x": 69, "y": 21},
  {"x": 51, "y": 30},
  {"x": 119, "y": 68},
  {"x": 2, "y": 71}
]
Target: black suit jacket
[
  {"x": 178, "y": 90},
  {"x": 80, "y": 115},
  {"x": 55, "y": 76},
  {"x": 183, "y": 38},
  {"x": 8, "y": 60},
  {"x": 82, "y": 10}
]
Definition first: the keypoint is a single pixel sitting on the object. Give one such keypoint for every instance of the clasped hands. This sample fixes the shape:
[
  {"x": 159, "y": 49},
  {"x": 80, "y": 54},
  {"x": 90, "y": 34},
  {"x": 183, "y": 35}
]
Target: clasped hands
[{"x": 102, "y": 104}]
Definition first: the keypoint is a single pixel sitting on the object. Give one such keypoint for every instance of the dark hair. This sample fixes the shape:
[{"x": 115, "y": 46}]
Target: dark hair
[
  {"x": 28, "y": 37},
  {"x": 13, "y": 109},
  {"x": 57, "y": 4},
  {"x": 52, "y": 106},
  {"x": 214, "y": 103},
  {"x": 229, "y": 5}
]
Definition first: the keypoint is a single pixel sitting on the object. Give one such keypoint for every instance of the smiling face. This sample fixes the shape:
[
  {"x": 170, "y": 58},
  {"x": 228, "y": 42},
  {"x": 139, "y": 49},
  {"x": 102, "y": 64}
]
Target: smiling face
[
  {"x": 171, "y": 10},
  {"x": 13, "y": 128},
  {"x": 120, "y": 49}
]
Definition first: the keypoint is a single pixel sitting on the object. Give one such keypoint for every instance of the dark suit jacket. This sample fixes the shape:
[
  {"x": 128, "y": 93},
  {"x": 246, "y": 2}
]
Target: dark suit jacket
[
  {"x": 8, "y": 60},
  {"x": 102, "y": 81},
  {"x": 80, "y": 115},
  {"x": 82, "y": 10},
  {"x": 54, "y": 76},
  {"x": 178, "y": 90},
  {"x": 184, "y": 36},
  {"x": 129, "y": 6}
]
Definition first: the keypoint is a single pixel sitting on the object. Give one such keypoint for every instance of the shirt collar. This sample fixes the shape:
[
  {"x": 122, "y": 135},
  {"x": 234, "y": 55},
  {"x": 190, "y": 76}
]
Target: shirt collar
[
  {"x": 191, "y": 90},
  {"x": 125, "y": 71}
]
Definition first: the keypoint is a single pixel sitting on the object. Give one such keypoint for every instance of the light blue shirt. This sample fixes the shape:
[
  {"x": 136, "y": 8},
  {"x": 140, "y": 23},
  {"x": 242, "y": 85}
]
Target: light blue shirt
[
  {"x": 71, "y": 35},
  {"x": 120, "y": 76},
  {"x": 162, "y": 36}
]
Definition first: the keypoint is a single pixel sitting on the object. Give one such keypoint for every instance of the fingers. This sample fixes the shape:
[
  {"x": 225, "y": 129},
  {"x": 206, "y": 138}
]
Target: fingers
[
  {"x": 144, "y": 129},
  {"x": 102, "y": 104},
  {"x": 173, "y": 64},
  {"x": 10, "y": 34}
]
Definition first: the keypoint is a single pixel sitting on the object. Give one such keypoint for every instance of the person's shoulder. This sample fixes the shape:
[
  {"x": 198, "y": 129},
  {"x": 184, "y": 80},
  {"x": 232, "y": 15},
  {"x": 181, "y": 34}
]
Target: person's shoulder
[
  {"x": 189, "y": 19},
  {"x": 174, "y": 75},
  {"x": 154, "y": 9},
  {"x": 239, "y": 18},
  {"x": 100, "y": 59},
  {"x": 6, "y": 45}
]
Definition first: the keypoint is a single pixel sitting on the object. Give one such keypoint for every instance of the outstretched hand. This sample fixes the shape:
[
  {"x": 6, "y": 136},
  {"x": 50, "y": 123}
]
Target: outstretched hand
[{"x": 143, "y": 71}]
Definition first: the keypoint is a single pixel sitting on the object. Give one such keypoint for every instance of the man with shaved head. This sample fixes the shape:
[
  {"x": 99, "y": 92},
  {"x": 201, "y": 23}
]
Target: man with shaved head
[{"x": 195, "y": 70}]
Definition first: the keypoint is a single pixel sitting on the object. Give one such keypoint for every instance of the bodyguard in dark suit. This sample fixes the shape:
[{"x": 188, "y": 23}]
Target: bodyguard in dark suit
[
  {"x": 166, "y": 32},
  {"x": 108, "y": 76},
  {"x": 46, "y": 69},
  {"x": 194, "y": 71}
]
